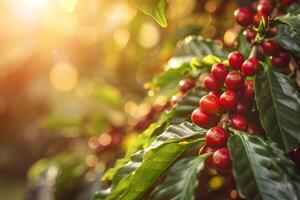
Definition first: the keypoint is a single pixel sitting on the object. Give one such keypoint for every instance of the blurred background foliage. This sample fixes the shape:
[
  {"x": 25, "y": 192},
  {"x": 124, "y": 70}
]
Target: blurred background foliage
[{"x": 75, "y": 83}]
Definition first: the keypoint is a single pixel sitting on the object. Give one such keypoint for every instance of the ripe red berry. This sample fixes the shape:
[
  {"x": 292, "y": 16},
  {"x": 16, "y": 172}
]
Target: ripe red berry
[
  {"x": 216, "y": 94},
  {"x": 221, "y": 159},
  {"x": 216, "y": 137},
  {"x": 282, "y": 60},
  {"x": 219, "y": 71},
  {"x": 253, "y": 129},
  {"x": 210, "y": 83},
  {"x": 229, "y": 100},
  {"x": 259, "y": 17},
  {"x": 235, "y": 59},
  {"x": 286, "y": 2},
  {"x": 206, "y": 149},
  {"x": 248, "y": 89},
  {"x": 210, "y": 104},
  {"x": 271, "y": 48},
  {"x": 243, "y": 16},
  {"x": 186, "y": 85},
  {"x": 239, "y": 122},
  {"x": 265, "y": 7},
  {"x": 202, "y": 119},
  {"x": 250, "y": 66},
  {"x": 234, "y": 80},
  {"x": 250, "y": 34},
  {"x": 242, "y": 106}
]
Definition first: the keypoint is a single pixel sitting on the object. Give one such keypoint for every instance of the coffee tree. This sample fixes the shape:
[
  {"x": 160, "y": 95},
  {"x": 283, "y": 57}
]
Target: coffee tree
[{"x": 232, "y": 129}]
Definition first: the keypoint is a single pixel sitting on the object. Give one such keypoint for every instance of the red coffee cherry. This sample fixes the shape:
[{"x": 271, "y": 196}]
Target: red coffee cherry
[
  {"x": 271, "y": 48},
  {"x": 265, "y": 7},
  {"x": 216, "y": 94},
  {"x": 287, "y": 2},
  {"x": 250, "y": 66},
  {"x": 210, "y": 83},
  {"x": 258, "y": 17},
  {"x": 281, "y": 61},
  {"x": 243, "y": 16},
  {"x": 235, "y": 59},
  {"x": 253, "y": 129},
  {"x": 216, "y": 137},
  {"x": 219, "y": 71},
  {"x": 229, "y": 100},
  {"x": 206, "y": 149},
  {"x": 242, "y": 106},
  {"x": 221, "y": 159},
  {"x": 248, "y": 90},
  {"x": 234, "y": 80},
  {"x": 202, "y": 119},
  {"x": 239, "y": 122},
  {"x": 186, "y": 85},
  {"x": 250, "y": 34},
  {"x": 210, "y": 104}
]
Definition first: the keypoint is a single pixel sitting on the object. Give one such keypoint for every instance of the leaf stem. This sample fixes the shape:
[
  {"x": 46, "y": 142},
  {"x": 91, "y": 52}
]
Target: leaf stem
[{"x": 254, "y": 51}]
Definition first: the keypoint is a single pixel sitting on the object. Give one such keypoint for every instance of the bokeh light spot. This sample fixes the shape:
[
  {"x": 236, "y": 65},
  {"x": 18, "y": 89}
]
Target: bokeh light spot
[
  {"x": 64, "y": 76},
  {"x": 121, "y": 37},
  {"x": 91, "y": 160},
  {"x": 229, "y": 37},
  {"x": 93, "y": 142},
  {"x": 149, "y": 35},
  {"x": 105, "y": 139}
]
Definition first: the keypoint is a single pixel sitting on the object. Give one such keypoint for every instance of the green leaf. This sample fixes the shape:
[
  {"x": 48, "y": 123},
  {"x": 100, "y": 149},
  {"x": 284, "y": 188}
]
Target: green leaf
[
  {"x": 278, "y": 103},
  {"x": 163, "y": 152},
  {"x": 288, "y": 39},
  {"x": 258, "y": 172},
  {"x": 291, "y": 19},
  {"x": 294, "y": 9},
  {"x": 181, "y": 181},
  {"x": 185, "y": 106},
  {"x": 173, "y": 133},
  {"x": 243, "y": 45},
  {"x": 172, "y": 75},
  {"x": 154, "y": 8},
  {"x": 199, "y": 47}
]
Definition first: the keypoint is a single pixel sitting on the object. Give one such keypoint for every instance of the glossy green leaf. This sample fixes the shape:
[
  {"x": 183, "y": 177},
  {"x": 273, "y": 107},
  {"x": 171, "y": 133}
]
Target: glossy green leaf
[
  {"x": 185, "y": 106},
  {"x": 278, "y": 103},
  {"x": 158, "y": 157},
  {"x": 173, "y": 133},
  {"x": 200, "y": 47},
  {"x": 258, "y": 172},
  {"x": 181, "y": 181},
  {"x": 288, "y": 39},
  {"x": 154, "y": 8},
  {"x": 172, "y": 75},
  {"x": 291, "y": 19}
]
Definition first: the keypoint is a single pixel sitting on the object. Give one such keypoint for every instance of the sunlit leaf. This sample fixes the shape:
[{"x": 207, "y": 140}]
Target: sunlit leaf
[
  {"x": 258, "y": 171},
  {"x": 278, "y": 103},
  {"x": 154, "y": 8}
]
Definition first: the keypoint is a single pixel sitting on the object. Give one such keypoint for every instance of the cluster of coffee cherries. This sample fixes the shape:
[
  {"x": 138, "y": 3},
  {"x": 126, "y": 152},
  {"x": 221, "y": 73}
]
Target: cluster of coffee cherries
[
  {"x": 230, "y": 102},
  {"x": 250, "y": 21},
  {"x": 230, "y": 92}
]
